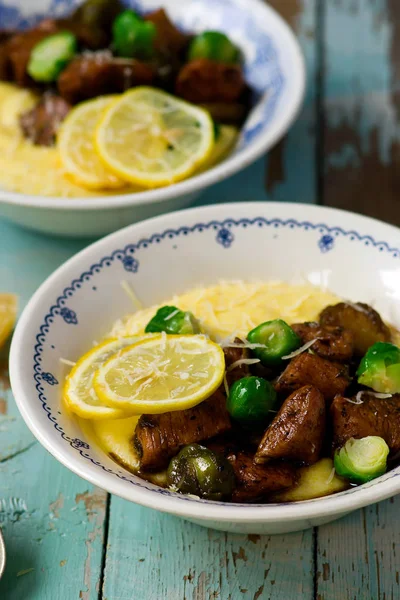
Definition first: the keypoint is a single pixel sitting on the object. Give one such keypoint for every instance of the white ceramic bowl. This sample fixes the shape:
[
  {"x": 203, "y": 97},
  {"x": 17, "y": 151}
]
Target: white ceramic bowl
[
  {"x": 356, "y": 257},
  {"x": 274, "y": 69}
]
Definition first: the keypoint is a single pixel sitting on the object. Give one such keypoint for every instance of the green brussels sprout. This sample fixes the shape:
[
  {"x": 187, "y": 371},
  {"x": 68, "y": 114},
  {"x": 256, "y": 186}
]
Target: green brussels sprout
[
  {"x": 251, "y": 400},
  {"x": 50, "y": 56},
  {"x": 173, "y": 321},
  {"x": 133, "y": 37},
  {"x": 278, "y": 338},
  {"x": 214, "y": 45},
  {"x": 362, "y": 460},
  {"x": 199, "y": 471},
  {"x": 380, "y": 368}
]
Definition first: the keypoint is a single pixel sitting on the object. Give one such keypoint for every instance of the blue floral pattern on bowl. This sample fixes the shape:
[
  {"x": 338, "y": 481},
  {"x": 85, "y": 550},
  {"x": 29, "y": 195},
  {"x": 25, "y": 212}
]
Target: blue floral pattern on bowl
[
  {"x": 326, "y": 243},
  {"x": 49, "y": 378},
  {"x": 130, "y": 264},
  {"x": 225, "y": 237},
  {"x": 79, "y": 444},
  {"x": 69, "y": 316}
]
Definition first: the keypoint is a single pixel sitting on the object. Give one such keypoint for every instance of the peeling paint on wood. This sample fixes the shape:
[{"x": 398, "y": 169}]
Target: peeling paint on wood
[
  {"x": 362, "y": 134},
  {"x": 365, "y": 566},
  {"x": 41, "y": 530},
  {"x": 184, "y": 561},
  {"x": 289, "y": 171}
]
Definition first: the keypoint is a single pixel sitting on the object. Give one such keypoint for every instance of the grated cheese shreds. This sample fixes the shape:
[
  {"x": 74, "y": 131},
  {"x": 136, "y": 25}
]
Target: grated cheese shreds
[
  {"x": 331, "y": 476},
  {"x": 226, "y": 386},
  {"x": 234, "y": 306},
  {"x": 300, "y": 350},
  {"x": 360, "y": 394},
  {"x": 67, "y": 362},
  {"x": 243, "y": 361},
  {"x": 129, "y": 292}
]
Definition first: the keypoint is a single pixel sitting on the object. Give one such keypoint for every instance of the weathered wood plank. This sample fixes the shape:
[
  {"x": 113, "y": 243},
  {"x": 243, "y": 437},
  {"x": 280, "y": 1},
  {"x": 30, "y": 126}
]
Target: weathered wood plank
[
  {"x": 14, "y": 435},
  {"x": 288, "y": 173},
  {"x": 151, "y": 555},
  {"x": 53, "y": 527},
  {"x": 362, "y": 107},
  {"x": 27, "y": 258},
  {"x": 357, "y": 556}
]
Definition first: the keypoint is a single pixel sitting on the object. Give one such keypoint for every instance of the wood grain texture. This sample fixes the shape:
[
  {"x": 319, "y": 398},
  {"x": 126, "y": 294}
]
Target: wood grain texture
[
  {"x": 52, "y": 521},
  {"x": 361, "y": 108},
  {"x": 27, "y": 258},
  {"x": 154, "y": 556},
  {"x": 357, "y": 557},
  {"x": 53, "y": 527}
]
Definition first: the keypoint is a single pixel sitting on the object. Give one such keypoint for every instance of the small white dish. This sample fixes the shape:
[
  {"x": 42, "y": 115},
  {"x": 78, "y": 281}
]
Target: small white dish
[
  {"x": 274, "y": 69},
  {"x": 355, "y": 257}
]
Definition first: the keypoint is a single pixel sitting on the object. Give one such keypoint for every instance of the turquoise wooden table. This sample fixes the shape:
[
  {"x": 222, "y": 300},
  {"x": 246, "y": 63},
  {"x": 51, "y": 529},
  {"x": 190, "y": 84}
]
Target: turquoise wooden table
[{"x": 67, "y": 540}]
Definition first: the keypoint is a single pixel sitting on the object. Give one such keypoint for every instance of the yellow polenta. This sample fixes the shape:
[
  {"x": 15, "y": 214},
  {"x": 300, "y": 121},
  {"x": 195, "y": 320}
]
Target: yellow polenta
[
  {"x": 234, "y": 308},
  {"x": 27, "y": 168}
]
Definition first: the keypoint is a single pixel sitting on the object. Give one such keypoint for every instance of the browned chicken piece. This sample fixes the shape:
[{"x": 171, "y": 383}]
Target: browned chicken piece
[
  {"x": 232, "y": 112},
  {"x": 159, "y": 437},
  {"x": 297, "y": 432},
  {"x": 333, "y": 343},
  {"x": 18, "y": 51},
  {"x": 310, "y": 369},
  {"x": 260, "y": 370},
  {"x": 202, "y": 80},
  {"x": 98, "y": 74},
  {"x": 5, "y": 64},
  {"x": 6, "y": 34},
  {"x": 41, "y": 123},
  {"x": 169, "y": 39},
  {"x": 232, "y": 355},
  {"x": 361, "y": 320},
  {"x": 255, "y": 482},
  {"x": 375, "y": 416}
]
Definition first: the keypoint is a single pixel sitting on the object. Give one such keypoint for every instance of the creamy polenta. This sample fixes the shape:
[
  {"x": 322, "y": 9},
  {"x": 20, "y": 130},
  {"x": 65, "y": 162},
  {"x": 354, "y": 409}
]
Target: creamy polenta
[
  {"x": 26, "y": 168},
  {"x": 234, "y": 308}
]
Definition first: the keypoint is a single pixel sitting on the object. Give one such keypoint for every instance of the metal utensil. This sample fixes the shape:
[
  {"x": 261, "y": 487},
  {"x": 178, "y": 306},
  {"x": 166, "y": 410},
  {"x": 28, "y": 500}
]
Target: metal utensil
[{"x": 2, "y": 555}]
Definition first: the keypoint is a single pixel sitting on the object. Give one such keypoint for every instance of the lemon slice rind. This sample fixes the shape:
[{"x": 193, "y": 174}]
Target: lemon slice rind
[
  {"x": 75, "y": 142},
  {"x": 78, "y": 392}
]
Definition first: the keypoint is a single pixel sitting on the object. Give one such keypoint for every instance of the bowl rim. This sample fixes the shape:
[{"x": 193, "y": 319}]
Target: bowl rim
[
  {"x": 335, "y": 504},
  {"x": 235, "y": 163}
]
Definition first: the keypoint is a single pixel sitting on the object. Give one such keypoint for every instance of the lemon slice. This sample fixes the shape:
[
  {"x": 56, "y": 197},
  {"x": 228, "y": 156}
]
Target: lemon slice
[
  {"x": 75, "y": 143},
  {"x": 79, "y": 394},
  {"x": 160, "y": 374},
  {"x": 8, "y": 315},
  {"x": 228, "y": 135},
  {"x": 153, "y": 139}
]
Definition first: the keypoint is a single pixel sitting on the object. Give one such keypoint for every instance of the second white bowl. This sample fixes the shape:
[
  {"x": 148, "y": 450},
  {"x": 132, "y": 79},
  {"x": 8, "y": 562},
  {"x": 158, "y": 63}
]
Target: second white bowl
[{"x": 274, "y": 69}]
